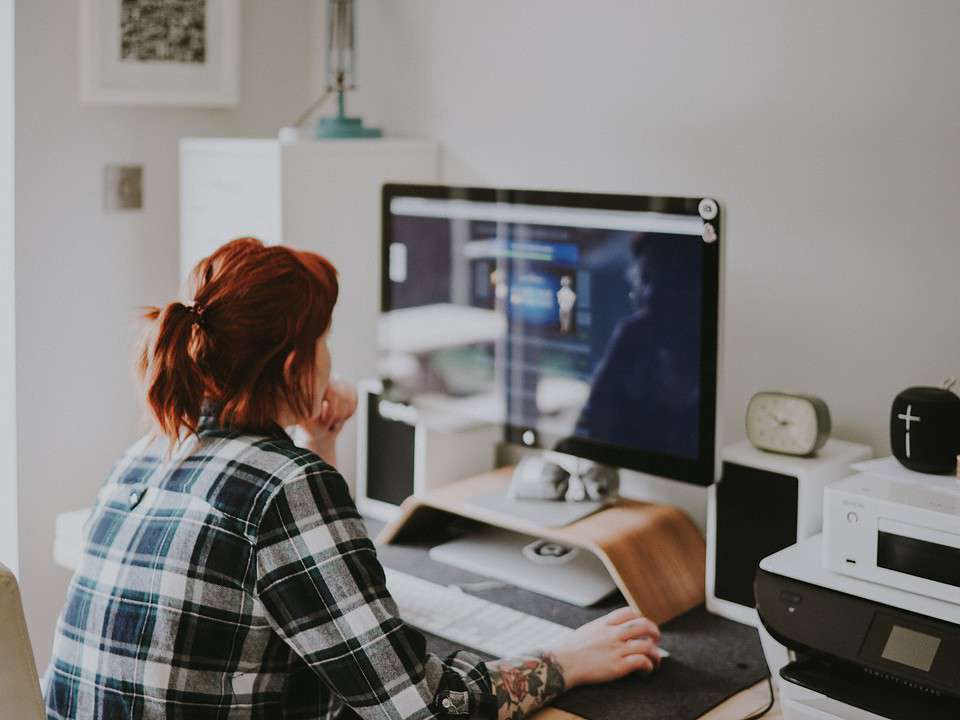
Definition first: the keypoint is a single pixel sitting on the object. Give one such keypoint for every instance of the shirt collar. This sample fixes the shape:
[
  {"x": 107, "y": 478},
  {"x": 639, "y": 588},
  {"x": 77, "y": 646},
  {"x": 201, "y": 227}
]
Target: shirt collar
[{"x": 209, "y": 423}]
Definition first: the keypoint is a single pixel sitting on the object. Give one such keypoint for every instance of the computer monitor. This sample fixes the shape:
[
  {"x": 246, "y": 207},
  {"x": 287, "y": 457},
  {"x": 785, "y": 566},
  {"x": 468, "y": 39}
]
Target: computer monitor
[{"x": 581, "y": 322}]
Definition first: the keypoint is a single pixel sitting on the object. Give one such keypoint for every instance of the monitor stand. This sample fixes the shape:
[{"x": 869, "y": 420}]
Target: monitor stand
[
  {"x": 654, "y": 553},
  {"x": 548, "y": 567},
  {"x": 546, "y": 513}
]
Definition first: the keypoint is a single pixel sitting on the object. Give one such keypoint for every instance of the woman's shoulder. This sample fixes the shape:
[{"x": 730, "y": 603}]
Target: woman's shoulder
[
  {"x": 284, "y": 459},
  {"x": 268, "y": 458},
  {"x": 234, "y": 475},
  {"x": 304, "y": 468}
]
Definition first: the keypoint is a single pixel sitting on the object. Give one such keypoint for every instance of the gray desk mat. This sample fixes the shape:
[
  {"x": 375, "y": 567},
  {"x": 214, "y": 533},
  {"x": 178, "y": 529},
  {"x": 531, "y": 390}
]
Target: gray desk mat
[{"x": 711, "y": 659}]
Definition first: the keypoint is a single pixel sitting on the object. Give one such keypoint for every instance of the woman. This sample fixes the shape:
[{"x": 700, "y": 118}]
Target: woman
[{"x": 226, "y": 572}]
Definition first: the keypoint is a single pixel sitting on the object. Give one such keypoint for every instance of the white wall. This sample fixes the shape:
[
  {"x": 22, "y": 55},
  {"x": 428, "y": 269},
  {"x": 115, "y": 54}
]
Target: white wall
[
  {"x": 82, "y": 274},
  {"x": 8, "y": 412},
  {"x": 830, "y": 131}
]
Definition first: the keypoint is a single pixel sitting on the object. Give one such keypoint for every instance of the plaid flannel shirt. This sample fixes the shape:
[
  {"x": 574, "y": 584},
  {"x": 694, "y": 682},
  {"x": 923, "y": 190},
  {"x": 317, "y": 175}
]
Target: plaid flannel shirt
[{"x": 235, "y": 579}]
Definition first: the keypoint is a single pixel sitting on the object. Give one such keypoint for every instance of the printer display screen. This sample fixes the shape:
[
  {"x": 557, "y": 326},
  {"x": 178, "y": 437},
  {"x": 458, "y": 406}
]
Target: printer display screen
[{"x": 911, "y": 648}]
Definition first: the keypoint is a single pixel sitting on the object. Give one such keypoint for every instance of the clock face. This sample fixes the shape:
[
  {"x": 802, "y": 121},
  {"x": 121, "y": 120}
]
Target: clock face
[{"x": 787, "y": 424}]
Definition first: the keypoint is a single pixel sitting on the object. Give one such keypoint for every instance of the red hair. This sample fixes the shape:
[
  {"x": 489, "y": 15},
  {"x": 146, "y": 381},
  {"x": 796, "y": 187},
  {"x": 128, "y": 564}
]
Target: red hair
[{"x": 246, "y": 343}]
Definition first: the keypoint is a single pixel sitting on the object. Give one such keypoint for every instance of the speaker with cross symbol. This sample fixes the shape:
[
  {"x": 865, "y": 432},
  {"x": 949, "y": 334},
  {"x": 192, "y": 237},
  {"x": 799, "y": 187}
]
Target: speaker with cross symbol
[{"x": 925, "y": 429}]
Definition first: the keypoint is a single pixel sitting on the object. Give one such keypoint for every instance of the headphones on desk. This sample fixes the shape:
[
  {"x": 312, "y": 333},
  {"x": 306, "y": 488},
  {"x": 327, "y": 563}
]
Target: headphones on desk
[{"x": 556, "y": 476}]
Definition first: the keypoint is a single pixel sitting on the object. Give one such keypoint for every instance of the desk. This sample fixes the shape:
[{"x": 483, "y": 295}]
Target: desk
[
  {"x": 70, "y": 539},
  {"x": 738, "y": 707}
]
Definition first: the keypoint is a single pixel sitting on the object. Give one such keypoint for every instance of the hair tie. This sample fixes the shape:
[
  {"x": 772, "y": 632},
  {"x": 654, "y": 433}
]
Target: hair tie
[{"x": 197, "y": 310}]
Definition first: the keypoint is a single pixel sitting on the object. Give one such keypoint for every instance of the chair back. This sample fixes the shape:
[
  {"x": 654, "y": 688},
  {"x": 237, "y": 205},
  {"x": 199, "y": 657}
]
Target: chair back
[{"x": 19, "y": 685}]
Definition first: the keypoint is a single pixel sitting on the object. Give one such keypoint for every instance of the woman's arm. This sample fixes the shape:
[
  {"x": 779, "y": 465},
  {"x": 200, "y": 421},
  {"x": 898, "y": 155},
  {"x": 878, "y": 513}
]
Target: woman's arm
[
  {"x": 320, "y": 434},
  {"x": 313, "y": 523},
  {"x": 320, "y": 582},
  {"x": 525, "y": 684},
  {"x": 606, "y": 649},
  {"x": 324, "y": 591}
]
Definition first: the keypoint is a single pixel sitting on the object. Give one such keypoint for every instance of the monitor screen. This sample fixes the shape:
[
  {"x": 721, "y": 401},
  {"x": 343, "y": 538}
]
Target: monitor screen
[{"x": 580, "y": 322}]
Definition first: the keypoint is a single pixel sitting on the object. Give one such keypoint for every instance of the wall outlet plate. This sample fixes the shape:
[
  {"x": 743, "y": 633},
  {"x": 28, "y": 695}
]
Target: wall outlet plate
[{"x": 123, "y": 187}]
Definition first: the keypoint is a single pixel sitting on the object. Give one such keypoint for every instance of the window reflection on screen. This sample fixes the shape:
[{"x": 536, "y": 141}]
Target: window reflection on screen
[{"x": 578, "y": 323}]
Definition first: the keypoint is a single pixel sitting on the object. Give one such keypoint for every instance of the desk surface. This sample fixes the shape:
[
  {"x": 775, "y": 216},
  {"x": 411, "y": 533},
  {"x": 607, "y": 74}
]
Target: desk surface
[{"x": 739, "y": 706}]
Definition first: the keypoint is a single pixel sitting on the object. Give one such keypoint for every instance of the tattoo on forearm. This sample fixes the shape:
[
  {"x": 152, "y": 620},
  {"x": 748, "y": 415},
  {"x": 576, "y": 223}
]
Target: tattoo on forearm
[{"x": 525, "y": 684}]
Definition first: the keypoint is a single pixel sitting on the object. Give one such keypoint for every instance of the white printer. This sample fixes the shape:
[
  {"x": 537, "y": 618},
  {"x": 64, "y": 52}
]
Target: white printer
[
  {"x": 895, "y": 527},
  {"x": 853, "y": 649}
]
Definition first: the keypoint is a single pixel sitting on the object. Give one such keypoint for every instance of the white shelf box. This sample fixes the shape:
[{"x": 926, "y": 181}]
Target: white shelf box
[{"x": 322, "y": 196}]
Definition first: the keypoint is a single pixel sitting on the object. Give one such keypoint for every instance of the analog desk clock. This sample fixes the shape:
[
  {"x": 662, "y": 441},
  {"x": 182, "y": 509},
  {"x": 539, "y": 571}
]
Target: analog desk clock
[{"x": 788, "y": 424}]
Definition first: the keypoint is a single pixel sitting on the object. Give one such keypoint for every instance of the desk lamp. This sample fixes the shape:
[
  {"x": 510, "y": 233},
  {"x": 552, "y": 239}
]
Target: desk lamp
[{"x": 340, "y": 75}]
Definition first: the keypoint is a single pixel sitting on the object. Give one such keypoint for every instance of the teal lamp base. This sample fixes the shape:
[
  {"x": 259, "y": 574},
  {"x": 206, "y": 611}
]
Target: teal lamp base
[{"x": 330, "y": 128}]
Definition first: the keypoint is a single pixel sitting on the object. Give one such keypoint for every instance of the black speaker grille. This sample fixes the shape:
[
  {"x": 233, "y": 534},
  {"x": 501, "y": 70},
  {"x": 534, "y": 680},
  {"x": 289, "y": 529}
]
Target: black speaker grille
[
  {"x": 756, "y": 517},
  {"x": 389, "y": 456}
]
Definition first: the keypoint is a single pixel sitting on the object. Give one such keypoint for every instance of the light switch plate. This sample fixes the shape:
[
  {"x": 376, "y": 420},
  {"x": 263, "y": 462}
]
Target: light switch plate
[{"x": 123, "y": 187}]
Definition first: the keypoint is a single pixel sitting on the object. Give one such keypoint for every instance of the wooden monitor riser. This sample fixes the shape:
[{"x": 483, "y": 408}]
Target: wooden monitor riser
[{"x": 654, "y": 553}]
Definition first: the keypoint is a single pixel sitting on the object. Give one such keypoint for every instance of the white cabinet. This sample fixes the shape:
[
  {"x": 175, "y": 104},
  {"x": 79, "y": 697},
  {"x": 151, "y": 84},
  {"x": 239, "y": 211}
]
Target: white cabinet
[
  {"x": 322, "y": 196},
  {"x": 228, "y": 188}
]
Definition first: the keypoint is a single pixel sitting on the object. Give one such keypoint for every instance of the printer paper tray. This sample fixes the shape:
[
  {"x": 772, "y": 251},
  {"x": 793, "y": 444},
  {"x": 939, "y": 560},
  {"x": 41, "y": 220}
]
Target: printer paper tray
[{"x": 884, "y": 697}]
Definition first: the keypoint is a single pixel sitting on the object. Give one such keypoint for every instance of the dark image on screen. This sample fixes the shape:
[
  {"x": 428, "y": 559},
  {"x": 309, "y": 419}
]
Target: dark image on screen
[
  {"x": 579, "y": 332},
  {"x": 619, "y": 311}
]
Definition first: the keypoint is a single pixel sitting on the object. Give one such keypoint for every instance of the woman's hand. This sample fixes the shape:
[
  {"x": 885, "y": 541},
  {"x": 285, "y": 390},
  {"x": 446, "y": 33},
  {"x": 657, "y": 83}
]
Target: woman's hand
[
  {"x": 608, "y": 648},
  {"x": 338, "y": 405}
]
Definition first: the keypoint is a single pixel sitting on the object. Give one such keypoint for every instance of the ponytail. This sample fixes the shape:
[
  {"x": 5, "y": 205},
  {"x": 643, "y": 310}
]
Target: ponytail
[{"x": 175, "y": 383}]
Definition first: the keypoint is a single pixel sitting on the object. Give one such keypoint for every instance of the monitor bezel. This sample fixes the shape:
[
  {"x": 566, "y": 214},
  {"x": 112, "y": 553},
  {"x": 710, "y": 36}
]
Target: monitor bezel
[{"x": 699, "y": 471}]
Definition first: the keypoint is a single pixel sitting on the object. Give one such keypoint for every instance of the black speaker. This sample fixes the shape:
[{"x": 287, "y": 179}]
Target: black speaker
[
  {"x": 756, "y": 517},
  {"x": 389, "y": 449},
  {"x": 762, "y": 503},
  {"x": 925, "y": 429},
  {"x": 400, "y": 452}
]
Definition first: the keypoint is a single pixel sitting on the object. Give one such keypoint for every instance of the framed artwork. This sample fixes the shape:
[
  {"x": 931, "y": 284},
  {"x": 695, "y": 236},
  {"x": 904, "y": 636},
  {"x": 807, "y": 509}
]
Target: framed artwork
[{"x": 160, "y": 52}]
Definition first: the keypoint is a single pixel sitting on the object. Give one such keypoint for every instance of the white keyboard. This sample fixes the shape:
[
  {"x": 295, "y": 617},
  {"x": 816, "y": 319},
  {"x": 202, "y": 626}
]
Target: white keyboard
[
  {"x": 470, "y": 621},
  {"x": 466, "y": 620}
]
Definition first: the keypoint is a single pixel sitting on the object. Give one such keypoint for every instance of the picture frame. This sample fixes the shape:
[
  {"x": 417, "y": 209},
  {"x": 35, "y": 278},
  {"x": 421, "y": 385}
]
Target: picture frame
[{"x": 175, "y": 53}]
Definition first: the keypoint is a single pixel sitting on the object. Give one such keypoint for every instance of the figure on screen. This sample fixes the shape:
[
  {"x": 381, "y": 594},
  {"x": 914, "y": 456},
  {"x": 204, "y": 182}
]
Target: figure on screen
[
  {"x": 500, "y": 287},
  {"x": 566, "y": 299}
]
